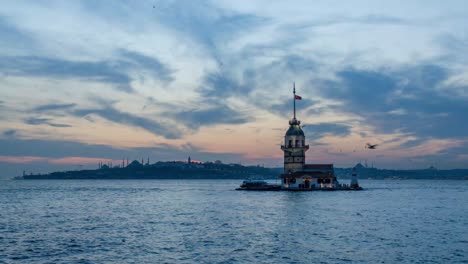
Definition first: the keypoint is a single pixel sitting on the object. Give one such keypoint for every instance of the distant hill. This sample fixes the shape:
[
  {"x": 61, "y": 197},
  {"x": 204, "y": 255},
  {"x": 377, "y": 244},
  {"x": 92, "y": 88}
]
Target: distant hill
[
  {"x": 209, "y": 170},
  {"x": 165, "y": 170}
]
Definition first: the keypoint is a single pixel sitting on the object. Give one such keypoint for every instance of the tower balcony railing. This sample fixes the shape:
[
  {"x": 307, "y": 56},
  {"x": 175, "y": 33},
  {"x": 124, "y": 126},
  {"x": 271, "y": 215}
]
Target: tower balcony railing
[{"x": 283, "y": 147}]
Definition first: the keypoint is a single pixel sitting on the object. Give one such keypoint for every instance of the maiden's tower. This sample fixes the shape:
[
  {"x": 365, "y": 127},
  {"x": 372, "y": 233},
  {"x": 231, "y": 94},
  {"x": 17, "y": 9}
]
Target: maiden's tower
[{"x": 297, "y": 174}]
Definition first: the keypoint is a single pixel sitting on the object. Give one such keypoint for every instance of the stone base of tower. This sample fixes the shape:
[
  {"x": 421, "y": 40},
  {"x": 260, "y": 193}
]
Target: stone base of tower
[{"x": 312, "y": 177}]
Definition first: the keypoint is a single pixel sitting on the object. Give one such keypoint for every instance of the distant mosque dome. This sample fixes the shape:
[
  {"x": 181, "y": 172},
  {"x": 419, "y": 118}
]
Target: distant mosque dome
[
  {"x": 359, "y": 166},
  {"x": 134, "y": 164}
]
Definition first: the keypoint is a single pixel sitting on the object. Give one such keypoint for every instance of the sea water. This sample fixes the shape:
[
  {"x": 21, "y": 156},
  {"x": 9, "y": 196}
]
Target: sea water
[{"x": 207, "y": 221}]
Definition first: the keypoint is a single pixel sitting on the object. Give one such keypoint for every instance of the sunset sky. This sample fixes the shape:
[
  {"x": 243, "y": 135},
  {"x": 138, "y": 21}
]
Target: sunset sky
[{"x": 89, "y": 81}]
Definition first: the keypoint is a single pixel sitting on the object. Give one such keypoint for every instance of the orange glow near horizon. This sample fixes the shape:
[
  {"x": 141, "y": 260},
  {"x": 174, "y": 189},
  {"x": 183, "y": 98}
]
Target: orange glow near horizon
[
  {"x": 21, "y": 159},
  {"x": 256, "y": 142},
  {"x": 57, "y": 161}
]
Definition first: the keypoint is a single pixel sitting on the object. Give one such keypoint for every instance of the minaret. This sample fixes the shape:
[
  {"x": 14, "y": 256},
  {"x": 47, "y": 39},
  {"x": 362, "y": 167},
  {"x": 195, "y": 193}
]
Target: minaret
[{"x": 294, "y": 147}]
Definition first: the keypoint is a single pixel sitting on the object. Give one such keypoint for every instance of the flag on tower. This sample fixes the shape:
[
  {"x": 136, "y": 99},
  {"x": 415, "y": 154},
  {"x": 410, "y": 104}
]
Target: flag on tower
[{"x": 297, "y": 97}]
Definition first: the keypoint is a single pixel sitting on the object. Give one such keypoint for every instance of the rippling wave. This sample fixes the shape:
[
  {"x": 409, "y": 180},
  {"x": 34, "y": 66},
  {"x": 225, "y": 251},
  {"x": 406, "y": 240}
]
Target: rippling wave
[{"x": 205, "y": 221}]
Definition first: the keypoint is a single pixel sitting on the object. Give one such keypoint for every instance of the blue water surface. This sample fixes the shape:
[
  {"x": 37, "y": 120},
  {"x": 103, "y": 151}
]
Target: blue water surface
[{"x": 206, "y": 221}]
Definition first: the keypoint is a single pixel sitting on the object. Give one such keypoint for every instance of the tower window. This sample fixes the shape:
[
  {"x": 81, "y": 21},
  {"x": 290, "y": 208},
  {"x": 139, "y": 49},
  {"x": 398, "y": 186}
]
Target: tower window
[
  {"x": 297, "y": 143},
  {"x": 290, "y": 143}
]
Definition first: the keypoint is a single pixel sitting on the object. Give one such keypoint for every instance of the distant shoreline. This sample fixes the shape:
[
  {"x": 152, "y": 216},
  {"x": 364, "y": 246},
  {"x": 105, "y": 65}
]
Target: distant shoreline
[
  {"x": 265, "y": 178},
  {"x": 211, "y": 171}
]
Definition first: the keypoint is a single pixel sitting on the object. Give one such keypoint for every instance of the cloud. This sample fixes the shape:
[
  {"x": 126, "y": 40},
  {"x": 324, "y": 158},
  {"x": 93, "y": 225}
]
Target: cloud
[
  {"x": 380, "y": 19},
  {"x": 57, "y": 149},
  {"x": 22, "y": 159},
  {"x": 294, "y": 63},
  {"x": 283, "y": 70},
  {"x": 115, "y": 72},
  {"x": 440, "y": 153},
  {"x": 58, "y": 68},
  {"x": 211, "y": 113},
  {"x": 215, "y": 114},
  {"x": 334, "y": 58},
  {"x": 9, "y": 133},
  {"x": 335, "y": 20},
  {"x": 47, "y": 155},
  {"x": 412, "y": 143},
  {"x": 142, "y": 62},
  {"x": 424, "y": 109},
  {"x": 285, "y": 108},
  {"x": 10, "y": 34},
  {"x": 455, "y": 47},
  {"x": 56, "y": 161},
  {"x": 358, "y": 87},
  {"x": 53, "y": 107},
  {"x": 222, "y": 85},
  {"x": 225, "y": 84},
  {"x": 248, "y": 84},
  {"x": 316, "y": 131},
  {"x": 166, "y": 130},
  {"x": 43, "y": 121},
  {"x": 207, "y": 24}
]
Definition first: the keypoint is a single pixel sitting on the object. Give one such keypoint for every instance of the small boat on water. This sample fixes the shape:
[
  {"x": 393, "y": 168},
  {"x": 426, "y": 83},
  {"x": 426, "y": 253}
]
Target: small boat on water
[{"x": 258, "y": 185}]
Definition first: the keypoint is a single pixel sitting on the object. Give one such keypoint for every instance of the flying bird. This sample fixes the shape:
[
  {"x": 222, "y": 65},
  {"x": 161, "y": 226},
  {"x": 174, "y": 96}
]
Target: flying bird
[{"x": 371, "y": 146}]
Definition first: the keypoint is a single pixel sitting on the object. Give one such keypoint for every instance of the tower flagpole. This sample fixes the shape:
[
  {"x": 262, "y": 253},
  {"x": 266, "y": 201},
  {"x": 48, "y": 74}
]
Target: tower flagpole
[{"x": 294, "y": 98}]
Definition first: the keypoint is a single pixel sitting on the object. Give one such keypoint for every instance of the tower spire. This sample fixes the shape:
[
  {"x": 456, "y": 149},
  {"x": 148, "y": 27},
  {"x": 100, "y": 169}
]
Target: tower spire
[{"x": 294, "y": 99}]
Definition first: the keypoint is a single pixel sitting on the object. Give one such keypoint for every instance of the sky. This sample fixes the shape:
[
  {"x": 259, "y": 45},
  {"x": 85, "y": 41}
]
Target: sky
[{"x": 89, "y": 81}]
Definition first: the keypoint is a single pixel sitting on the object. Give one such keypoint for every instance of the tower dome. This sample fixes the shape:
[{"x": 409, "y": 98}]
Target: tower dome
[{"x": 294, "y": 128}]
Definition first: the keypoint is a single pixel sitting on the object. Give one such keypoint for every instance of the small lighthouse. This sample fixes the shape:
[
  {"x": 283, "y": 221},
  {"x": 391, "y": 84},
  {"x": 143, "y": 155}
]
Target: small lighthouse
[{"x": 354, "y": 181}]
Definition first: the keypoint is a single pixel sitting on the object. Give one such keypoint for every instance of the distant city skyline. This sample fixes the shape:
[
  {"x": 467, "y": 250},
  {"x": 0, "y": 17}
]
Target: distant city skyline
[{"x": 88, "y": 81}]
